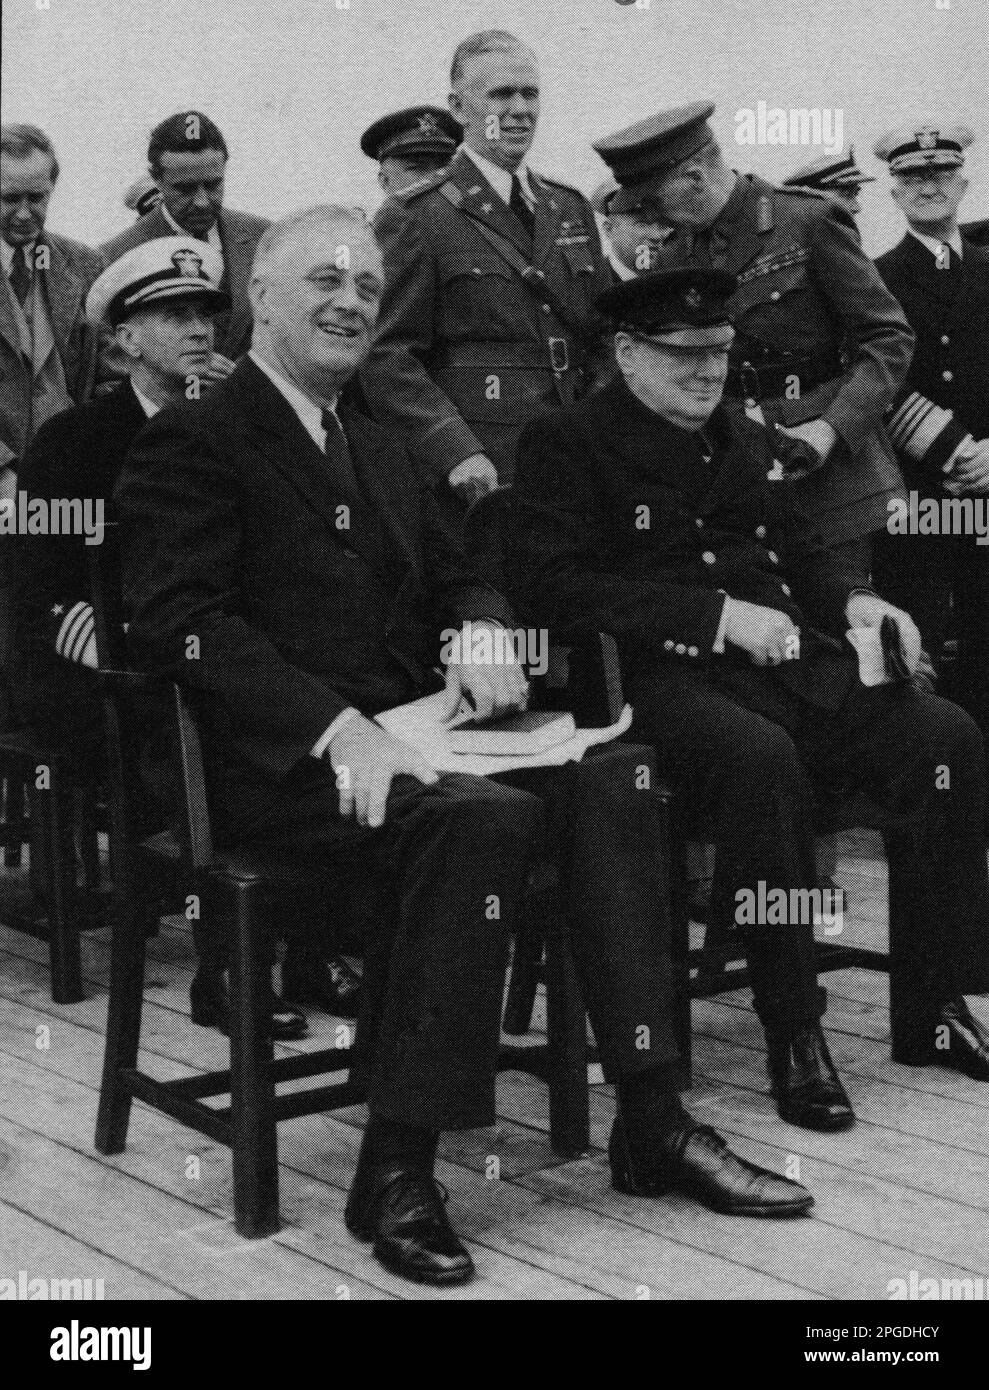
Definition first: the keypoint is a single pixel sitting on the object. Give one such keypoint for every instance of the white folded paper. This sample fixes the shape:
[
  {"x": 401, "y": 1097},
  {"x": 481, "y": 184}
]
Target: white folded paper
[
  {"x": 868, "y": 644},
  {"x": 420, "y": 725}
]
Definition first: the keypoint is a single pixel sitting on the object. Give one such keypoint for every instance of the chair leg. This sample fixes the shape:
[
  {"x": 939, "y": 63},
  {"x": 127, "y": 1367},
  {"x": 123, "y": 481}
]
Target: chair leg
[
  {"x": 524, "y": 977},
  {"x": 13, "y": 823},
  {"x": 252, "y": 1098},
  {"x": 566, "y": 1030},
  {"x": 63, "y": 905},
  {"x": 123, "y": 1023}
]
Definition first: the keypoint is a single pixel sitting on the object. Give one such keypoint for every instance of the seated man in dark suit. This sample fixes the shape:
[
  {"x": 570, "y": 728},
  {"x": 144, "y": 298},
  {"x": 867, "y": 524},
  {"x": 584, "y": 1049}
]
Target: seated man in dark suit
[
  {"x": 158, "y": 301},
  {"x": 647, "y": 512},
  {"x": 290, "y": 544}
]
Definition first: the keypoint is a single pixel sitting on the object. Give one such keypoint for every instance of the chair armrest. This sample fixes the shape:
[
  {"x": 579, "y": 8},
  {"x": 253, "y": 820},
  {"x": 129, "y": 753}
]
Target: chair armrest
[{"x": 584, "y": 677}]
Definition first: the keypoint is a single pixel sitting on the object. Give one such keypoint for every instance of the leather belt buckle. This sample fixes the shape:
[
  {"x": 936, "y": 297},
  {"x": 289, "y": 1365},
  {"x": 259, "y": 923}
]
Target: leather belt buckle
[{"x": 558, "y": 354}]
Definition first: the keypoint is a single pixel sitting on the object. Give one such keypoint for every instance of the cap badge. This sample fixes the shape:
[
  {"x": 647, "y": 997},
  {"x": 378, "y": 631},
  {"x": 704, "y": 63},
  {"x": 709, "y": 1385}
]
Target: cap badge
[
  {"x": 926, "y": 138},
  {"x": 692, "y": 298},
  {"x": 428, "y": 124},
  {"x": 188, "y": 263}
]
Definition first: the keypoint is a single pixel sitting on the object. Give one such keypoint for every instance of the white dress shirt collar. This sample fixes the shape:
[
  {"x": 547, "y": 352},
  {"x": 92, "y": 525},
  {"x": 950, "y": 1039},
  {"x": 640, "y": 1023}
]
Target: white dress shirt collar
[
  {"x": 309, "y": 413},
  {"x": 500, "y": 179},
  {"x": 934, "y": 243},
  {"x": 620, "y": 269},
  {"x": 7, "y": 255},
  {"x": 147, "y": 405},
  {"x": 212, "y": 236}
]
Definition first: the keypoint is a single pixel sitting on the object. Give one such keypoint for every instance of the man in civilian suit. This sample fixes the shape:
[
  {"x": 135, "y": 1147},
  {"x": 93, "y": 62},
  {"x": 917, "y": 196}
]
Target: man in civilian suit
[
  {"x": 301, "y": 549},
  {"x": 646, "y": 511},
  {"x": 47, "y": 349},
  {"x": 187, "y": 158}
]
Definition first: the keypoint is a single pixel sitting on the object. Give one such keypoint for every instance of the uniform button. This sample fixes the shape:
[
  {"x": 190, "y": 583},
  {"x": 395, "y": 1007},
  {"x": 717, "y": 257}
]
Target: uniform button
[
  {"x": 668, "y": 646},
  {"x": 477, "y": 270},
  {"x": 774, "y": 294},
  {"x": 699, "y": 522},
  {"x": 786, "y": 590},
  {"x": 761, "y": 532},
  {"x": 692, "y": 651},
  {"x": 546, "y": 309},
  {"x": 947, "y": 376},
  {"x": 709, "y": 557},
  {"x": 681, "y": 650},
  {"x": 945, "y": 340},
  {"x": 749, "y": 402},
  {"x": 773, "y": 556}
]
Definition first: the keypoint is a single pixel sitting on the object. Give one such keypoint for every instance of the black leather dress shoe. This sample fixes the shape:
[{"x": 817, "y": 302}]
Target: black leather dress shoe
[
  {"x": 401, "y": 1210},
  {"x": 967, "y": 1047},
  {"x": 210, "y": 1006},
  {"x": 327, "y": 983},
  {"x": 805, "y": 1084},
  {"x": 696, "y": 1160}
]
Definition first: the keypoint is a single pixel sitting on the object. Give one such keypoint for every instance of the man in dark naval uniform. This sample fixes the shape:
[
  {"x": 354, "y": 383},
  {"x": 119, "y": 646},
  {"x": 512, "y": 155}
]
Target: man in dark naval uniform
[
  {"x": 941, "y": 422},
  {"x": 821, "y": 347},
  {"x": 490, "y": 275},
  {"x": 646, "y": 511}
]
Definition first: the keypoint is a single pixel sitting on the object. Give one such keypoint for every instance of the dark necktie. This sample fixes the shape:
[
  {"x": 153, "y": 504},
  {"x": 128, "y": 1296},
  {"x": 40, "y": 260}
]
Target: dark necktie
[
  {"x": 520, "y": 207},
  {"x": 337, "y": 450},
  {"x": 20, "y": 275}
]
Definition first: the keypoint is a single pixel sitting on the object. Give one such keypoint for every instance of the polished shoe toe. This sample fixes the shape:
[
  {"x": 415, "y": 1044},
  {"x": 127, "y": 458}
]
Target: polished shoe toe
[
  {"x": 805, "y": 1084},
  {"x": 962, "y": 1044},
  {"x": 401, "y": 1210},
  {"x": 209, "y": 1001},
  {"x": 696, "y": 1160}
]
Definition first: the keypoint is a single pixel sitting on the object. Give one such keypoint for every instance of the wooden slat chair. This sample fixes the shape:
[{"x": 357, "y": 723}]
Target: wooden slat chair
[
  {"x": 48, "y": 810},
  {"x": 242, "y": 892},
  {"x": 583, "y": 677},
  {"x": 235, "y": 893}
]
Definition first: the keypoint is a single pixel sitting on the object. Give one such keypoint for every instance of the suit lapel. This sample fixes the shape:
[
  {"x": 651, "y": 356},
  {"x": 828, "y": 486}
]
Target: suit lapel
[
  {"x": 972, "y": 300},
  {"x": 64, "y": 290},
  {"x": 482, "y": 202},
  {"x": 547, "y": 222},
  {"x": 745, "y": 241},
  {"x": 303, "y": 465},
  {"x": 238, "y": 254},
  {"x": 396, "y": 555},
  {"x": 8, "y": 324},
  {"x": 937, "y": 286}
]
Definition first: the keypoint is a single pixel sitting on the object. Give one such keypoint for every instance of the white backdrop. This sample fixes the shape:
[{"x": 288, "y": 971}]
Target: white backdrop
[{"x": 292, "y": 83}]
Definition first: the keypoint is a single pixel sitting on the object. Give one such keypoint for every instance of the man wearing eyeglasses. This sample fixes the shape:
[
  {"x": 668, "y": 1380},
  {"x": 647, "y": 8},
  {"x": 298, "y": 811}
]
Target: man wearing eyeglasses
[{"x": 646, "y": 511}]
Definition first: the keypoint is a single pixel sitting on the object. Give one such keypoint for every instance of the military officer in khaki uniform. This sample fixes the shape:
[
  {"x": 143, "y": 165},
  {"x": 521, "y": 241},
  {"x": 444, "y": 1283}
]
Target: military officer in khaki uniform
[
  {"x": 491, "y": 271},
  {"x": 821, "y": 346},
  {"x": 411, "y": 144}
]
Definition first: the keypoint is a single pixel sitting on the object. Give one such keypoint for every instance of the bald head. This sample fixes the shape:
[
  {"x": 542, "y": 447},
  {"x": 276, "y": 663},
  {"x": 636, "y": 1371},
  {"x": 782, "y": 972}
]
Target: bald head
[{"x": 315, "y": 289}]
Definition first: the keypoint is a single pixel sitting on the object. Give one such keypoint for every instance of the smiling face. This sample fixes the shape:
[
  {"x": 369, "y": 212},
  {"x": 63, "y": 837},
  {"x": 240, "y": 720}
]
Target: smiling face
[
  {"x": 191, "y": 186},
  {"x": 497, "y": 103},
  {"x": 929, "y": 197},
  {"x": 25, "y": 190},
  {"x": 680, "y": 377},
  {"x": 315, "y": 298}
]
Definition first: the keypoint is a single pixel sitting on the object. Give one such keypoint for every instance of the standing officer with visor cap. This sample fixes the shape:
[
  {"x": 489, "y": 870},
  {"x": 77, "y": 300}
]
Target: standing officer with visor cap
[{"x": 821, "y": 347}]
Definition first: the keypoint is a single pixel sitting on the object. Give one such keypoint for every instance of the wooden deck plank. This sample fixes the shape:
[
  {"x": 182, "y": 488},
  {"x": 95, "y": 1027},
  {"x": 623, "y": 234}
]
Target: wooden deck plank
[
  {"x": 43, "y": 1251},
  {"x": 129, "y": 1220}
]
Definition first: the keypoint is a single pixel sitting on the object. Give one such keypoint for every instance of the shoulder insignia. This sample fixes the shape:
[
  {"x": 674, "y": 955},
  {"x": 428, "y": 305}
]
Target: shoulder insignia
[
  {"x": 764, "y": 214},
  {"x": 422, "y": 185},
  {"x": 555, "y": 183}
]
